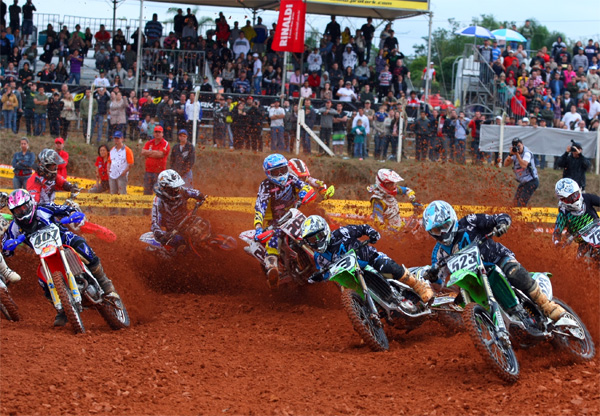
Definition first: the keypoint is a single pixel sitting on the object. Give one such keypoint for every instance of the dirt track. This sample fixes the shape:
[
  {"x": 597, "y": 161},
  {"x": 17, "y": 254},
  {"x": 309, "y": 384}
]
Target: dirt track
[{"x": 208, "y": 337}]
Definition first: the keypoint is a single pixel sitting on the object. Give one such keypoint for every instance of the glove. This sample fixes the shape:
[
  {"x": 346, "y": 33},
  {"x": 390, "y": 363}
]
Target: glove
[
  {"x": 431, "y": 274},
  {"x": 374, "y": 236},
  {"x": 259, "y": 231},
  {"x": 201, "y": 197},
  {"x": 501, "y": 229},
  {"x": 411, "y": 196},
  {"x": 75, "y": 206},
  {"x": 327, "y": 191},
  {"x": 316, "y": 277}
]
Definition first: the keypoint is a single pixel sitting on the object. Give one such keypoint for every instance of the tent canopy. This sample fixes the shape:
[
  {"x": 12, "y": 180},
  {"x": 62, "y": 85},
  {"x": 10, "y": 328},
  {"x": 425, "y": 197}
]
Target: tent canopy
[{"x": 377, "y": 9}]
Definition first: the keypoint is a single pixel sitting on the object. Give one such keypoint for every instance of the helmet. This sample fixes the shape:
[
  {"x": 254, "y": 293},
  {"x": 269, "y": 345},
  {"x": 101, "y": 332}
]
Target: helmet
[
  {"x": 441, "y": 222},
  {"x": 316, "y": 233},
  {"x": 569, "y": 194},
  {"x": 22, "y": 205},
  {"x": 169, "y": 184},
  {"x": 48, "y": 161},
  {"x": 276, "y": 169},
  {"x": 299, "y": 168},
  {"x": 386, "y": 181}
]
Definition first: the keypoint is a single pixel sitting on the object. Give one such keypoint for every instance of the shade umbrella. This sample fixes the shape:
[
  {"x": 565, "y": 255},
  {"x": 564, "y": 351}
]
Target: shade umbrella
[
  {"x": 508, "y": 35},
  {"x": 475, "y": 31}
]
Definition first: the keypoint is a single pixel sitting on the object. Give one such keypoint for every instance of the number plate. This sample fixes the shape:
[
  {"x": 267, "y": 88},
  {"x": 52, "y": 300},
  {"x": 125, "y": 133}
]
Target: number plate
[
  {"x": 293, "y": 227},
  {"x": 592, "y": 236},
  {"x": 48, "y": 236},
  {"x": 468, "y": 259},
  {"x": 348, "y": 263}
]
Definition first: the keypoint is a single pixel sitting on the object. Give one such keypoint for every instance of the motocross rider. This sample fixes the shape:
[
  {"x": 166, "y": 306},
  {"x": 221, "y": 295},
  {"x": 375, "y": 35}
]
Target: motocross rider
[
  {"x": 170, "y": 206},
  {"x": 575, "y": 210},
  {"x": 44, "y": 183},
  {"x": 384, "y": 205},
  {"x": 276, "y": 195},
  {"x": 8, "y": 275},
  {"x": 299, "y": 170},
  {"x": 452, "y": 235},
  {"x": 330, "y": 246},
  {"x": 28, "y": 217}
]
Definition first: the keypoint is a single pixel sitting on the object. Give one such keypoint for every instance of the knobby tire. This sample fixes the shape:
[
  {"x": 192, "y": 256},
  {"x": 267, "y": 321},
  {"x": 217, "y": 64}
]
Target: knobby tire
[
  {"x": 580, "y": 350},
  {"x": 358, "y": 313},
  {"x": 8, "y": 306},
  {"x": 68, "y": 303}
]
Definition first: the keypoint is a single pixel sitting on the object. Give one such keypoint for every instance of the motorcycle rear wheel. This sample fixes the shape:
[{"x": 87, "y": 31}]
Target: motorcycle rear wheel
[
  {"x": 358, "y": 312},
  {"x": 483, "y": 333},
  {"x": 581, "y": 350},
  {"x": 8, "y": 306},
  {"x": 68, "y": 303},
  {"x": 116, "y": 318}
]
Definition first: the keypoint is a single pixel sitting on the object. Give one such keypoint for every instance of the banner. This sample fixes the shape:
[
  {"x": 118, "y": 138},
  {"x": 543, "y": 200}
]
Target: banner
[
  {"x": 421, "y": 5},
  {"x": 289, "y": 35}
]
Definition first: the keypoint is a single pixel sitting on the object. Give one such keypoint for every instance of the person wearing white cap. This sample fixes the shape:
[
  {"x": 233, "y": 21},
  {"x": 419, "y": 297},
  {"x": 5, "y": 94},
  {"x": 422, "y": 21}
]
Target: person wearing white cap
[
  {"x": 428, "y": 74},
  {"x": 257, "y": 75}
]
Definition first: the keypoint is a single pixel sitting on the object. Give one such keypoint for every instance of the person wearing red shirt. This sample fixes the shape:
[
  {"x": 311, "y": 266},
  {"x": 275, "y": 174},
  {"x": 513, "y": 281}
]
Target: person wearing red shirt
[
  {"x": 518, "y": 105},
  {"x": 156, "y": 152},
  {"x": 59, "y": 146},
  {"x": 102, "y": 37},
  {"x": 508, "y": 61},
  {"x": 102, "y": 164},
  {"x": 44, "y": 183}
]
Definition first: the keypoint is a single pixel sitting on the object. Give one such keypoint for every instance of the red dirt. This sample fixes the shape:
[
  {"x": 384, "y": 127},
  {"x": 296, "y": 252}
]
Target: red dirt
[{"x": 208, "y": 337}]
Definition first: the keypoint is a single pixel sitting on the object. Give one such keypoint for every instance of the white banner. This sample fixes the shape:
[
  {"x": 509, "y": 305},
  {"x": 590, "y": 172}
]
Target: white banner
[{"x": 540, "y": 140}]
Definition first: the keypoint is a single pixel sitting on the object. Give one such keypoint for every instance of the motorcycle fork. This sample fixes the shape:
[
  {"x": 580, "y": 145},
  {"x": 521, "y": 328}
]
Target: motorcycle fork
[
  {"x": 495, "y": 312},
  {"x": 51, "y": 288},
  {"x": 70, "y": 277},
  {"x": 374, "y": 313}
]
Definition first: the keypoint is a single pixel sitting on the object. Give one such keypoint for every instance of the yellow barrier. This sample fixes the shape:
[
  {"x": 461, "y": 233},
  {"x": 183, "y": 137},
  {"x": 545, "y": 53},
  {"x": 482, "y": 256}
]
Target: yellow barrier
[{"x": 346, "y": 208}]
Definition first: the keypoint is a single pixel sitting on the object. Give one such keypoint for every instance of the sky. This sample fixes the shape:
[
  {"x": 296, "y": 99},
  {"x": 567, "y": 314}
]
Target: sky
[{"x": 580, "y": 22}]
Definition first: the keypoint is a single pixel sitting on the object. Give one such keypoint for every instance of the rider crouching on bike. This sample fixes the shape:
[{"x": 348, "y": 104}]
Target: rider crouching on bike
[
  {"x": 330, "y": 246},
  {"x": 170, "y": 206},
  {"x": 30, "y": 217},
  {"x": 8, "y": 275},
  {"x": 299, "y": 170},
  {"x": 44, "y": 183},
  {"x": 575, "y": 210},
  {"x": 276, "y": 195},
  {"x": 384, "y": 205},
  {"x": 452, "y": 235}
]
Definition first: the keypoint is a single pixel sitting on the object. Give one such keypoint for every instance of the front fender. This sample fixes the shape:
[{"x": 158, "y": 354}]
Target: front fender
[{"x": 471, "y": 283}]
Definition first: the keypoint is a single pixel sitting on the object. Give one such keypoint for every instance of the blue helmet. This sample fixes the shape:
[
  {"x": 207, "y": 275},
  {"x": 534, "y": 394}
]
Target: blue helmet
[
  {"x": 276, "y": 169},
  {"x": 441, "y": 222}
]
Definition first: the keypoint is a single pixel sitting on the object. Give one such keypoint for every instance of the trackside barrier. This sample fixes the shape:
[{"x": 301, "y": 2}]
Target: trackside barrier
[{"x": 343, "y": 209}]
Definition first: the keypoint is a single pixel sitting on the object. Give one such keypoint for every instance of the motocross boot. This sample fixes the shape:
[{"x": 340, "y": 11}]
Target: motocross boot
[
  {"x": 272, "y": 271},
  {"x": 8, "y": 275},
  {"x": 103, "y": 280},
  {"x": 420, "y": 287},
  {"x": 551, "y": 309},
  {"x": 61, "y": 319}
]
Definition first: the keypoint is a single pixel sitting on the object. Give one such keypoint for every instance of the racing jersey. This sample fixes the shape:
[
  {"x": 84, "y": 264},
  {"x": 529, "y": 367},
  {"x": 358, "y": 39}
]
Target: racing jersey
[
  {"x": 315, "y": 183},
  {"x": 347, "y": 238},
  {"x": 169, "y": 214},
  {"x": 273, "y": 201},
  {"x": 573, "y": 222},
  {"x": 44, "y": 190},
  {"x": 385, "y": 206},
  {"x": 470, "y": 227}
]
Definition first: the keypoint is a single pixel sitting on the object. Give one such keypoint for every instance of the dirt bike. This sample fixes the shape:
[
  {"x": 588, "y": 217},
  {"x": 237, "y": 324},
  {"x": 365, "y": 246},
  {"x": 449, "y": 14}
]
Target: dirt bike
[
  {"x": 194, "y": 231},
  {"x": 369, "y": 299},
  {"x": 8, "y": 307},
  {"x": 88, "y": 227},
  {"x": 589, "y": 241},
  {"x": 295, "y": 263},
  {"x": 498, "y": 316},
  {"x": 71, "y": 285}
]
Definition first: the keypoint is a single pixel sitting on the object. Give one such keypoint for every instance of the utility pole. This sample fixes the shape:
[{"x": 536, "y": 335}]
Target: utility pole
[{"x": 427, "y": 80}]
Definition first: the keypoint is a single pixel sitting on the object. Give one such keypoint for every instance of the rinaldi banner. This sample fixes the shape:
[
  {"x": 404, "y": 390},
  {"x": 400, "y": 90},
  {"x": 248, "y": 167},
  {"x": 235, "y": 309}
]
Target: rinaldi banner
[
  {"x": 421, "y": 5},
  {"x": 289, "y": 36}
]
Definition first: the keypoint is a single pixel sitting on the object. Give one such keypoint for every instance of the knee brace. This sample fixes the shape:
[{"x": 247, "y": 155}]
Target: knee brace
[
  {"x": 517, "y": 275},
  {"x": 81, "y": 247},
  {"x": 273, "y": 243},
  {"x": 389, "y": 268}
]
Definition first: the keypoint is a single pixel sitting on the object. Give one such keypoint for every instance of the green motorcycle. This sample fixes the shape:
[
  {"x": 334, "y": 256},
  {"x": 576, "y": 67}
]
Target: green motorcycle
[
  {"x": 498, "y": 316},
  {"x": 369, "y": 299}
]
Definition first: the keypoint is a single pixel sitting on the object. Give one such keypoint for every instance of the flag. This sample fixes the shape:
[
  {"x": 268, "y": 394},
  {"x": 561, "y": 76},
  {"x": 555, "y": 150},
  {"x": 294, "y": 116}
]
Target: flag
[{"x": 289, "y": 35}]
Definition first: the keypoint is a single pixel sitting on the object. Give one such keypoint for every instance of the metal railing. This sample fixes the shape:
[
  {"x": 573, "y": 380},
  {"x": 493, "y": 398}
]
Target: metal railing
[{"x": 159, "y": 62}]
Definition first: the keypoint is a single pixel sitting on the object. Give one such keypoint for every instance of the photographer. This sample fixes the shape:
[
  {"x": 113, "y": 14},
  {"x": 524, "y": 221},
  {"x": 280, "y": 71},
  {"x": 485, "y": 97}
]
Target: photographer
[
  {"x": 574, "y": 164},
  {"x": 525, "y": 171}
]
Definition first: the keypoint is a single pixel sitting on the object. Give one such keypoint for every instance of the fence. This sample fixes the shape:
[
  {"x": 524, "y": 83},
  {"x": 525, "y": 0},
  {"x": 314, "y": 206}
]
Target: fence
[{"x": 159, "y": 62}]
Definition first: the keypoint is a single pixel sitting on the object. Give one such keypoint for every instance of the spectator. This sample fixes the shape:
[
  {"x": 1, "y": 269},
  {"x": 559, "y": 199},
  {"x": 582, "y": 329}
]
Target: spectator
[
  {"x": 13, "y": 12},
  {"x": 428, "y": 74},
  {"x": 289, "y": 124},
  {"x": 133, "y": 118},
  {"x": 183, "y": 158},
  {"x": 379, "y": 130},
  {"x": 39, "y": 113},
  {"x": 192, "y": 108},
  {"x": 359, "y": 138},
  {"x": 310, "y": 118},
  {"x": 102, "y": 165},
  {"x": 103, "y": 107},
  {"x": 385, "y": 80},
  {"x": 423, "y": 132},
  {"x": 10, "y": 104},
  {"x": 571, "y": 118},
  {"x": 179, "y": 22},
  {"x": 277, "y": 115},
  {"x": 249, "y": 32},
  {"x": 118, "y": 71},
  {"x": 23, "y": 163},
  {"x": 102, "y": 38},
  {"x": 84, "y": 111},
  {"x": 524, "y": 168},
  {"x": 327, "y": 115},
  {"x": 349, "y": 58},
  {"x": 29, "y": 93},
  {"x": 67, "y": 114},
  {"x": 475, "y": 128},
  {"x": 256, "y": 116},
  {"x": 580, "y": 60},
  {"x": 261, "y": 33},
  {"x": 240, "y": 124},
  {"x": 118, "y": 113},
  {"x": 120, "y": 162},
  {"x": 3, "y": 9},
  {"x": 296, "y": 81},
  {"x": 153, "y": 29},
  {"x": 241, "y": 46},
  {"x": 241, "y": 85},
  {"x": 315, "y": 61},
  {"x": 338, "y": 137},
  {"x": 156, "y": 152},
  {"x": 346, "y": 94},
  {"x": 461, "y": 130},
  {"x": 257, "y": 74},
  {"x": 220, "y": 131},
  {"x": 333, "y": 29},
  {"x": 59, "y": 147}
]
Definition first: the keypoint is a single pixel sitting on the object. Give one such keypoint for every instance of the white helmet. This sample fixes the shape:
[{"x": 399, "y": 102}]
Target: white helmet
[
  {"x": 569, "y": 195},
  {"x": 169, "y": 184},
  {"x": 387, "y": 181},
  {"x": 316, "y": 233}
]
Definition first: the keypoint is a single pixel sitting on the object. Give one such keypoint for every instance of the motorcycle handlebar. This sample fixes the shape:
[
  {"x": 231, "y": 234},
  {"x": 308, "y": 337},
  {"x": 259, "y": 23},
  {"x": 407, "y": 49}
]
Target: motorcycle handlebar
[{"x": 13, "y": 243}]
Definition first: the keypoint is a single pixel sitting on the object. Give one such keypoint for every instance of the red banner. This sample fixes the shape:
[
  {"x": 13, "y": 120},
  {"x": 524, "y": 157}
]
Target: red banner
[{"x": 289, "y": 35}]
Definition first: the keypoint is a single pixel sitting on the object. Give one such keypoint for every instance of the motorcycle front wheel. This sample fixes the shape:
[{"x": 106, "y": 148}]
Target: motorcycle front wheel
[
  {"x": 116, "y": 315},
  {"x": 579, "y": 342},
  {"x": 68, "y": 303},
  {"x": 358, "y": 312},
  {"x": 8, "y": 306},
  {"x": 502, "y": 358}
]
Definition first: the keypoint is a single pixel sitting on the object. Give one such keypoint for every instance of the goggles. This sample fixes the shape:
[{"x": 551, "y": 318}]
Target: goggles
[
  {"x": 21, "y": 210},
  {"x": 315, "y": 238},
  {"x": 51, "y": 168},
  {"x": 574, "y": 197},
  {"x": 442, "y": 229},
  {"x": 280, "y": 171}
]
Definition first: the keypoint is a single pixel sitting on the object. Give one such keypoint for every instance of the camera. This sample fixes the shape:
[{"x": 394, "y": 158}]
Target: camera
[{"x": 515, "y": 149}]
